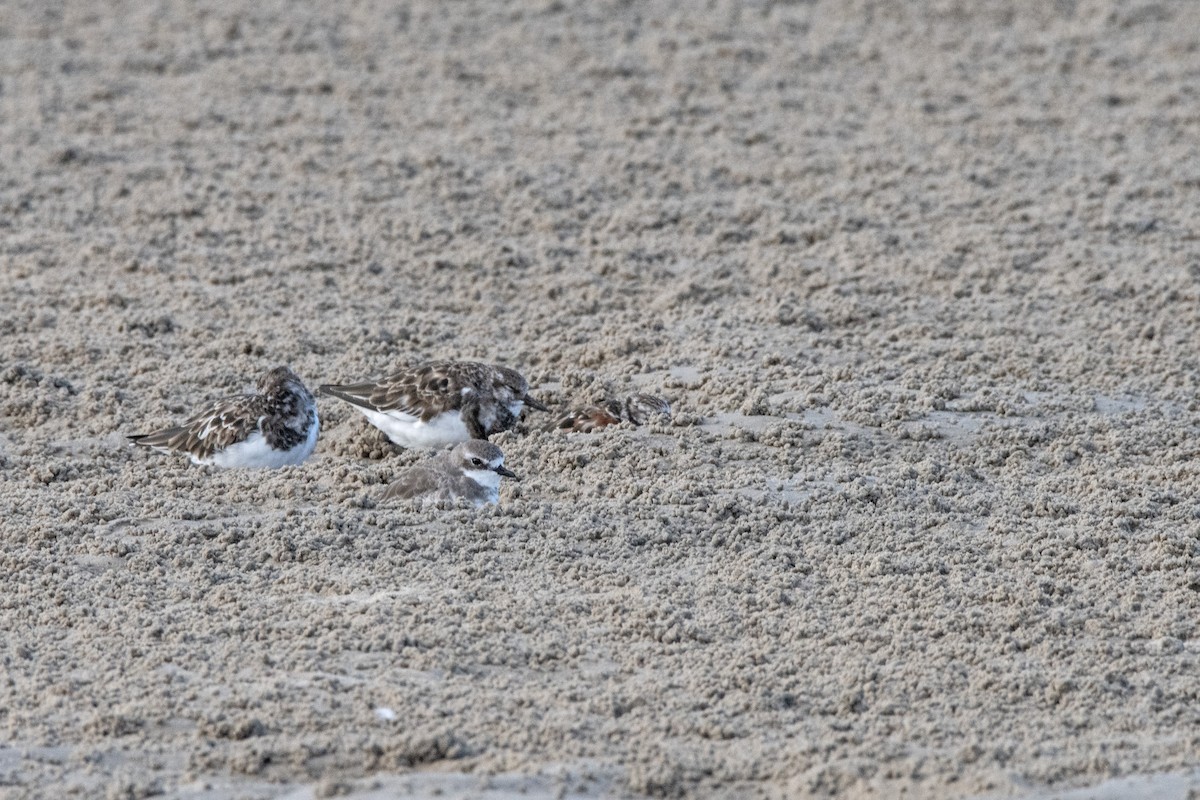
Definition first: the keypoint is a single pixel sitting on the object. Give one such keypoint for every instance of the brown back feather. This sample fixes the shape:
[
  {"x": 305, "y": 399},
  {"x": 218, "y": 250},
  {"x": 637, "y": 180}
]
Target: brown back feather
[
  {"x": 636, "y": 409},
  {"x": 589, "y": 418},
  {"x": 424, "y": 391},
  {"x": 222, "y": 424}
]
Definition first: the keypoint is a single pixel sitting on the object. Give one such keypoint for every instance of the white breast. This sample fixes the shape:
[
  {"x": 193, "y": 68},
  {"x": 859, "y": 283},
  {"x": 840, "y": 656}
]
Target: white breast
[
  {"x": 487, "y": 480},
  {"x": 255, "y": 453},
  {"x": 409, "y": 431}
]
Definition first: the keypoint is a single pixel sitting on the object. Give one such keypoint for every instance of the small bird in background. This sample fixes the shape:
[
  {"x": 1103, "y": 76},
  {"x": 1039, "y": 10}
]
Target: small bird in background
[
  {"x": 275, "y": 427},
  {"x": 469, "y": 471},
  {"x": 637, "y": 409},
  {"x": 440, "y": 403}
]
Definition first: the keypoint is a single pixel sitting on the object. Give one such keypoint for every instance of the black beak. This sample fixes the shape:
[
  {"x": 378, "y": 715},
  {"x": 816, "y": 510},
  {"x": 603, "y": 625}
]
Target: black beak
[
  {"x": 506, "y": 472},
  {"x": 534, "y": 404}
]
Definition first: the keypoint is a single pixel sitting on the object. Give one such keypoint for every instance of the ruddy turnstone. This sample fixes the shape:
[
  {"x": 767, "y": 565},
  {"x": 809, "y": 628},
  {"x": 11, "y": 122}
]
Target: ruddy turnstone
[
  {"x": 637, "y": 409},
  {"x": 274, "y": 427},
  {"x": 468, "y": 471},
  {"x": 441, "y": 403}
]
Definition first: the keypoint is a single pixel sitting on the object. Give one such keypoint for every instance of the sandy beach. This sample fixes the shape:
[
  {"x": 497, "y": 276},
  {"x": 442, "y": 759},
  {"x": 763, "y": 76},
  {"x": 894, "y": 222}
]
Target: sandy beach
[{"x": 920, "y": 281}]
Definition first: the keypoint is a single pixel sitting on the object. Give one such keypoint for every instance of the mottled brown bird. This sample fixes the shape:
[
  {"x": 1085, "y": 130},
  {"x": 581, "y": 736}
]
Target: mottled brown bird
[
  {"x": 441, "y": 403},
  {"x": 637, "y": 409},
  {"x": 274, "y": 427}
]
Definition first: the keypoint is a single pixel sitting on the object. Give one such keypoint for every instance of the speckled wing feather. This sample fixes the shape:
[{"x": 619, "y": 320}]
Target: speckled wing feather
[
  {"x": 423, "y": 392},
  {"x": 589, "y": 418},
  {"x": 225, "y": 423},
  {"x": 637, "y": 409}
]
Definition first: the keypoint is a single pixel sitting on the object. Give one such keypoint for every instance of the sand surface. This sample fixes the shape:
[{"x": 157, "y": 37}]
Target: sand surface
[{"x": 921, "y": 281}]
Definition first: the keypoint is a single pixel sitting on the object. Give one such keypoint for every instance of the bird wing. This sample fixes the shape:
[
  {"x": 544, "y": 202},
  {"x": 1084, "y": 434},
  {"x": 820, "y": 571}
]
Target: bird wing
[
  {"x": 423, "y": 392},
  {"x": 412, "y": 483},
  {"x": 588, "y": 419},
  {"x": 222, "y": 424}
]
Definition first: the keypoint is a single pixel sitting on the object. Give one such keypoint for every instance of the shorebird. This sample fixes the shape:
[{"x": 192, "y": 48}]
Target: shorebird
[
  {"x": 440, "y": 403},
  {"x": 274, "y": 427},
  {"x": 468, "y": 471},
  {"x": 637, "y": 409}
]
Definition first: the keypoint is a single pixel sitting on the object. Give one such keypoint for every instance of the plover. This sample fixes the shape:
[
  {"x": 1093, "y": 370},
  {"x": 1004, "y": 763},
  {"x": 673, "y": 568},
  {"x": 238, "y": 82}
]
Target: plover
[
  {"x": 441, "y": 403},
  {"x": 274, "y": 427},
  {"x": 637, "y": 409},
  {"x": 468, "y": 471}
]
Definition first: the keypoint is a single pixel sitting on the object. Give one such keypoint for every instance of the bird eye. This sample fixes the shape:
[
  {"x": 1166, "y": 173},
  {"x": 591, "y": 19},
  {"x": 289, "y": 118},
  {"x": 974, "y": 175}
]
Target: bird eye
[{"x": 477, "y": 462}]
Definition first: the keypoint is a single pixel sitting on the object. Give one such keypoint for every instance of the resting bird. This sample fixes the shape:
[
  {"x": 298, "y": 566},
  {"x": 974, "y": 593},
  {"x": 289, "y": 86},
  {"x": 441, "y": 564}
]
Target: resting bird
[
  {"x": 637, "y": 409},
  {"x": 274, "y": 427},
  {"x": 469, "y": 471},
  {"x": 440, "y": 403}
]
